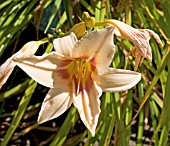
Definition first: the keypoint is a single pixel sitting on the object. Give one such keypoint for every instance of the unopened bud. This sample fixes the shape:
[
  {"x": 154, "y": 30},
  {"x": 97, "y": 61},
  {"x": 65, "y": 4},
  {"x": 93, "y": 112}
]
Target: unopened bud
[
  {"x": 78, "y": 29},
  {"x": 89, "y": 21}
]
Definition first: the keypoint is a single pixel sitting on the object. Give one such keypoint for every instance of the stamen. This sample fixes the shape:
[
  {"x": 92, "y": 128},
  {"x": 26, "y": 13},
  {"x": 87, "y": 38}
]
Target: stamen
[
  {"x": 84, "y": 70},
  {"x": 79, "y": 72},
  {"x": 80, "y": 69},
  {"x": 78, "y": 66},
  {"x": 131, "y": 51},
  {"x": 77, "y": 75},
  {"x": 141, "y": 61}
]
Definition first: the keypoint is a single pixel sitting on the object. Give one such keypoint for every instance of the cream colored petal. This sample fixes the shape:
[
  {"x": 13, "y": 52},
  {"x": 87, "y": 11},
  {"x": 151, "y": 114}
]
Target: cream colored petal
[
  {"x": 139, "y": 39},
  {"x": 115, "y": 80},
  {"x": 7, "y": 67},
  {"x": 156, "y": 37},
  {"x": 43, "y": 69},
  {"x": 98, "y": 46},
  {"x": 148, "y": 33},
  {"x": 124, "y": 30},
  {"x": 55, "y": 103},
  {"x": 6, "y": 70},
  {"x": 65, "y": 45},
  {"x": 149, "y": 54},
  {"x": 88, "y": 105},
  {"x": 29, "y": 48}
]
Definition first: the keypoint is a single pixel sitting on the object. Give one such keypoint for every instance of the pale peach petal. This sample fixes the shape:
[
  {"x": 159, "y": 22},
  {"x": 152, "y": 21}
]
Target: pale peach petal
[
  {"x": 55, "y": 103},
  {"x": 98, "y": 45},
  {"x": 88, "y": 105},
  {"x": 65, "y": 44},
  {"x": 29, "y": 48},
  {"x": 139, "y": 37},
  {"x": 43, "y": 69},
  {"x": 148, "y": 33},
  {"x": 115, "y": 80},
  {"x": 155, "y": 35},
  {"x": 7, "y": 67},
  {"x": 6, "y": 70}
]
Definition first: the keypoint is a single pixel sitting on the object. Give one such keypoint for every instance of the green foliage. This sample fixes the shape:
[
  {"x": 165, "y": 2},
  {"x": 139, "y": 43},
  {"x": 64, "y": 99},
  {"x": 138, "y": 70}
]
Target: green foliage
[{"x": 147, "y": 104}]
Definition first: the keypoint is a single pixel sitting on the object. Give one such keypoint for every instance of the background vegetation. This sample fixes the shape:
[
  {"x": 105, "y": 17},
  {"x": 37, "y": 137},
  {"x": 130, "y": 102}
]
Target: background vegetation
[{"x": 139, "y": 116}]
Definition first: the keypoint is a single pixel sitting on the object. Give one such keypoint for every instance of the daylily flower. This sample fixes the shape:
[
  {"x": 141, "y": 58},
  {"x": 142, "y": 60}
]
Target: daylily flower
[
  {"x": 78, "y": 72},
  {"x": 139, "y": 37},
  {"x": 7, "y": 67}
]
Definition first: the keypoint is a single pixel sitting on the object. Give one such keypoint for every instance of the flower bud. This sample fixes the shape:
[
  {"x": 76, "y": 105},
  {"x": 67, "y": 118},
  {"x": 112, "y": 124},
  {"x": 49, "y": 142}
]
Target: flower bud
[
  {"x": 89, "y": 21},
  {"x": 78, "y": 29}
]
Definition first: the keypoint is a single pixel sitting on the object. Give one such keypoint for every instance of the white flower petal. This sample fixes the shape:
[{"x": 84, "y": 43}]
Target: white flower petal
[
  {"x": 139, "y": 37},
  {"x": 65, "y": 44},
  {"x": 156, "y": 37},
  {"x": 148, "y": 33},
  {"x": 43, "y": 69},
  {"x": 115, "y": 80},
  {"x": 88, "y": 105},
  {"x": 6, "y": 70},
  {"x": 30, "y": 48},
  {"x": 7, "y": 67},
  {"x": 98, "y": 45},
  {"x": 55, "y": 103}
]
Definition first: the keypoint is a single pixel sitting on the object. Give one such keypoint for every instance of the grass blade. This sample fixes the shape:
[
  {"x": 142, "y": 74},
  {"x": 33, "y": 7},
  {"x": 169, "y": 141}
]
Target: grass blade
[
  {"x": 53, "y": 13},
  {"x": 20, "y": 111},
  {"x": 65, "y": 128}
]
